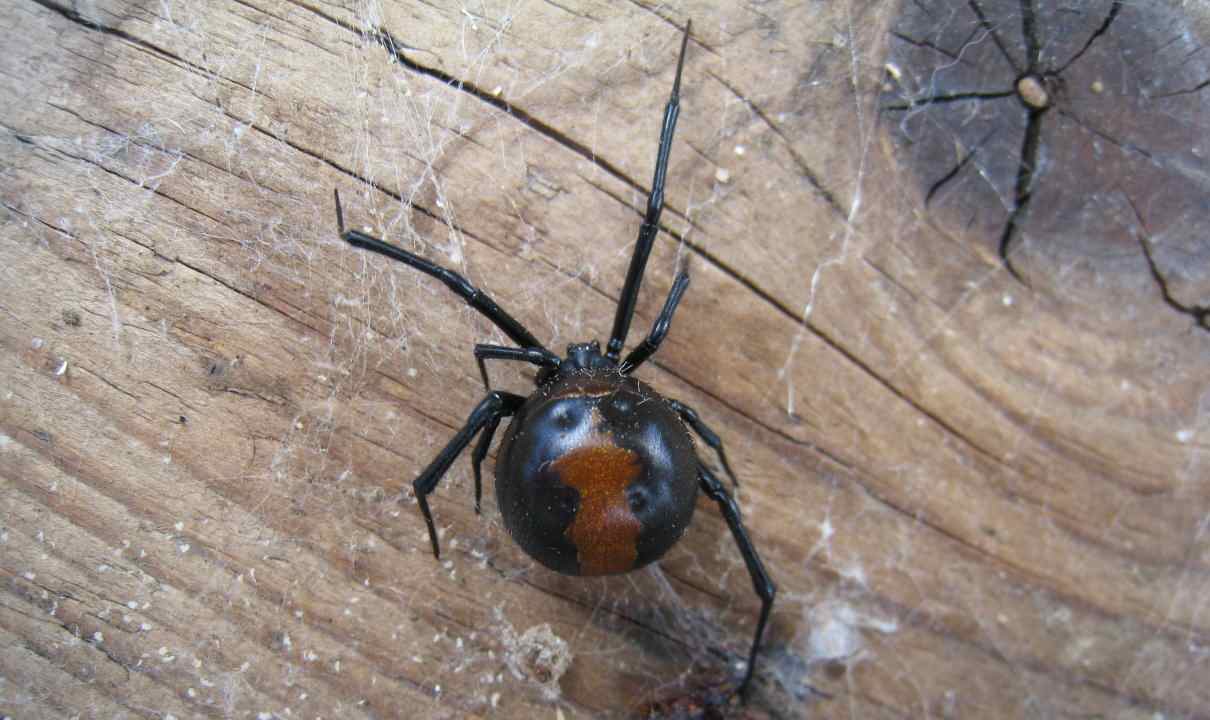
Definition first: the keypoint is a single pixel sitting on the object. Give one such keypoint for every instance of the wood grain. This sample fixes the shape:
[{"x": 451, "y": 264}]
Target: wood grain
[{"x": 979, "y": 497}]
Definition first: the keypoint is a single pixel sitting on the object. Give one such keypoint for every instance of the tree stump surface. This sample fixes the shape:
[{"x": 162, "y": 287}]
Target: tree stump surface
[{"x": 950, "y": 289}]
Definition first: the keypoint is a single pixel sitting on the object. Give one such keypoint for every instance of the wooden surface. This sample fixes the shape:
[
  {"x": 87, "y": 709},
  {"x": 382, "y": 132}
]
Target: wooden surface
[{"x": 981, "y": 496}]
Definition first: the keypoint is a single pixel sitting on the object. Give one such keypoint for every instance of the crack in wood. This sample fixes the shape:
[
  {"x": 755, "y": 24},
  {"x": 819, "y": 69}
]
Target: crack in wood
[
  {"x": 1114, "y": 10},
  {"x": 800, "y": 162},
  {"x": 1199, "y": 313},
  {"x": 139, "y": 43},
  {"x": 1023, "y": 190},
  {"x": 990, "y": 29}
]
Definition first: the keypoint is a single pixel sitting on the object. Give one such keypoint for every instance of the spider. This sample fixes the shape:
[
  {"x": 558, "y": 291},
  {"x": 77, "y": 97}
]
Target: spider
[{"x": 596, "y": 473}]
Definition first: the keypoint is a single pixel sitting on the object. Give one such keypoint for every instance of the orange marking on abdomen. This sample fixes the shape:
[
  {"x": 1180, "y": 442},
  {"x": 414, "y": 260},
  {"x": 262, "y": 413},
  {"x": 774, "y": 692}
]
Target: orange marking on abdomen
[{"x": 604, "y": 530}]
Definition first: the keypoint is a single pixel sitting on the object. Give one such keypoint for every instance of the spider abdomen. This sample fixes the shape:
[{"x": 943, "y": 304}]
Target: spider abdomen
[{"x": 596, "y": 475}]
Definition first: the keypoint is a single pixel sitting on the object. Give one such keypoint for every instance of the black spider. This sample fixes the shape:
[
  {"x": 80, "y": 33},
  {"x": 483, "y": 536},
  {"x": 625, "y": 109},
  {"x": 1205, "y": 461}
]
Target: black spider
[{"x": 597, "y": 473}]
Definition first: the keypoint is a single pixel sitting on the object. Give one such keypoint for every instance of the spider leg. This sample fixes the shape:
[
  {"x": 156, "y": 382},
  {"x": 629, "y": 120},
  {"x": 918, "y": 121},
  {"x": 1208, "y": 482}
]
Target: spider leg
[
  {"x": 651, "y": 221},
  {"x": 535, "y": 355},
  {"x": 488, "y": 412},
  {"x": 652, "y": 343},
  {"x": 708, "y": 436},
  {"x": 761, "y": 581},
  {"x": 480, "y": 452},
  {"x": 473, "y": 296},
  {"x": 538, "y": 356}
]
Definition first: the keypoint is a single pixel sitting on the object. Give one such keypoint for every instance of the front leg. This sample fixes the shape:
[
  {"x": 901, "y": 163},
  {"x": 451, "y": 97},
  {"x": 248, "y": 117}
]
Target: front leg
[
  {"x": 473, "y": 296},
  {"x": 488, "y": 412},
  {"x": 539, "y": 356},
  {"x": 761, "y": 581},
  {"x": 651, "y": 221},
  {"x": 480, "y": 452},
  {"x": 652, "y": 343}
]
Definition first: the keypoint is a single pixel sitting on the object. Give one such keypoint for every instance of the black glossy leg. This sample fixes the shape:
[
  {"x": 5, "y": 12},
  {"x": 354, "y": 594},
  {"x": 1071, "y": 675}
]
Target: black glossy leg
[
  {"x": 652, "y": 343},
  {"x": 488, "y": 412},
  {"x": 472, "y": 295},
  {"x": 761, "y": 581},
  {"x": 480, "y": 452},
  {"x": 536, "y": 356},
  {"x": 708, "y": 436},
  {"x": 651, "y": 221}
]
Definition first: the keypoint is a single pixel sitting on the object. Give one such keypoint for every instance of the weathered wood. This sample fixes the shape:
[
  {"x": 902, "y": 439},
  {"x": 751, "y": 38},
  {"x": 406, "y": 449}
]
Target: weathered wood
[{"x": 979, "y": 497}]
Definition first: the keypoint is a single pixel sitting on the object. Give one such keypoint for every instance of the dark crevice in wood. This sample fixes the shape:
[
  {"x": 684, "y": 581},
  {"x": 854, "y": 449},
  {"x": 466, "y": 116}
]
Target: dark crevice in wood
[
  {"x": 300, "y": 36},
  {"x": 1185, "y": 91},
  {"x": 1097, "y": 132},
  {"x": 168, "y": 392},
  {"x": 73, "y": 630},
  {"x": 452, "y": 427},
  {"x": 90, "y": 161},
  {"x": 958, "y": 167},
  {"x": 1029, "y": 32},
  {"x": 800, "y": 162},
  {"x": 49, "y": 226},
  {"x": 1023, "y": 191},
  {"x": 995, "y": 36},
  {"x": 945, "y": 99},
  {"x": 241, "y": 292},
  {"x": 132, "y": 181},
  {"x": 924, "y": 44},
  {"x": 139, "y": 43},
  {"x": 108, "y": 382},
  {"x": 1028, "y": 163},
  {"x": 74, "y": 16},
  {"x": 1199, "y": 313},
  {"x": 693, "y": 39},
  {"x": 1104, "y": 28},
  {"x": 16, "y": 135},
  {"x": 894, "y": 281},
  {"x": 152, "y": 250},
  {"x": 395, "y": 48}
]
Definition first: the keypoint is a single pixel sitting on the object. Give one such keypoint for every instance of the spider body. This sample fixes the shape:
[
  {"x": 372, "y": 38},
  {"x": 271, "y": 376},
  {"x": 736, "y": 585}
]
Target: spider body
[{"x": 596, "y": 473}]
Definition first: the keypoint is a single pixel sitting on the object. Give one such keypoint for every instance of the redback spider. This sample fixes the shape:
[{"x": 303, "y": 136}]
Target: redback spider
[{"x": 596, "y": 474}]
